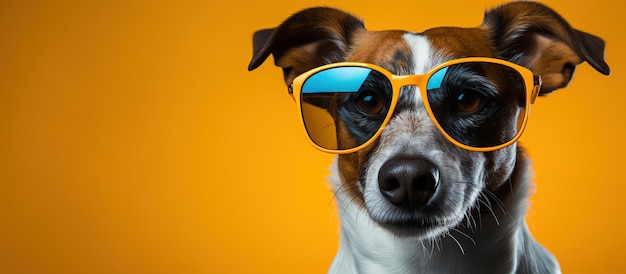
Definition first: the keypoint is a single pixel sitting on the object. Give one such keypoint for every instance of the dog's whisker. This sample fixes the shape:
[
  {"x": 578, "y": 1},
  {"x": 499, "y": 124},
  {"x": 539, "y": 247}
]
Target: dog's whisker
[
  {"x": 488, "y": 205},
  {"x": 474, "y": 223},
  {"x": 423, "y": 246},
  {"x": 470, "y": 221},
  {"x": 456, "y": 241},
  {"x": 465, "y": 234},
  {"x": 480, "y": 215},
  {"x": 424, "y": 249},
  {"x": 496, "y": 199},
  {"x": 431, "y": 251},
  {"x": 432, "y": 246},
  {"x": 486, "y": 199}
]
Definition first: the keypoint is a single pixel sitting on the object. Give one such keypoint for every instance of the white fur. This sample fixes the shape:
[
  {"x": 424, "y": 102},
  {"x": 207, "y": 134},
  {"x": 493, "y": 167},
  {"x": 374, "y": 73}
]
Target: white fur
[
  {"x": 422, "y": 51},
  {"x": 422, "y": 61}
]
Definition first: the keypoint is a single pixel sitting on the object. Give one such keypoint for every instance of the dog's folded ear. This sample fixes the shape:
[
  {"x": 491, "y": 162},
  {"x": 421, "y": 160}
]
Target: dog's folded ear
[
  {"x": 535, "y": 36},
  {"x": 308, "y": 39}
]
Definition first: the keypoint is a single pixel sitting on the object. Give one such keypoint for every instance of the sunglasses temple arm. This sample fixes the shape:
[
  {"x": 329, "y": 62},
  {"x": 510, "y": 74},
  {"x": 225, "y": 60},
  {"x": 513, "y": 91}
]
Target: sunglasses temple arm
[
  {"x": 290, "y": 91},
  {"x": 537, "y": 82}
]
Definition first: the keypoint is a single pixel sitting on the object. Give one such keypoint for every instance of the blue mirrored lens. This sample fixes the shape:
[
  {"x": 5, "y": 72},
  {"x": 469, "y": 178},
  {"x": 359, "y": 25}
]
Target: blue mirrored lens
[
  {"x": 340, "y": 79},
  {"x": 436, "y": 79}
]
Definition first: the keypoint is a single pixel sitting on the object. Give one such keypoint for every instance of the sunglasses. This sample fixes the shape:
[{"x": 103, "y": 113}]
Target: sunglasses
[{"x": 478, "y": 103}]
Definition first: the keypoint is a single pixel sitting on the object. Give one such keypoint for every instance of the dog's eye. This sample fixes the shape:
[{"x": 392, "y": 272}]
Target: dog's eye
[
  {"x": 370, "y": 102},
  {"x": 468, "y": 101}
]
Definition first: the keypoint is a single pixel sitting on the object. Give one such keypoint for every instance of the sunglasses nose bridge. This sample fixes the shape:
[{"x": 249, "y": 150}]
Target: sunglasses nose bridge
[{"x": 401, "y": 81}]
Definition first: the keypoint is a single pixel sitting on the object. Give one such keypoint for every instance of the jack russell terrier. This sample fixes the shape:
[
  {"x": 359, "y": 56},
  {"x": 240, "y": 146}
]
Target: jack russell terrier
[{"x": 429, "y": 177}]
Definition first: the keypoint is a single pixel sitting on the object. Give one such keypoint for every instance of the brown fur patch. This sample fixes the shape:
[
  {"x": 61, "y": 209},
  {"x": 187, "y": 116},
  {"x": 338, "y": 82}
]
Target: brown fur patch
[
  {"x": 555, "y": 62},
  {"x": 455, "y": 42},
  {"x": 384, "y": 48}
]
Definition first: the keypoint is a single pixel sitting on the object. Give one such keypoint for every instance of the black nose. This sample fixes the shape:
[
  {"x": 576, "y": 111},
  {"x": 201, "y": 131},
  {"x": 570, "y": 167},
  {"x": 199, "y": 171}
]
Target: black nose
[{"x": 408, "y": 181}]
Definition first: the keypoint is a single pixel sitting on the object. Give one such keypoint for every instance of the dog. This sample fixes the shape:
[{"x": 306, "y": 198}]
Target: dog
[{"x": 429, "y": 176}]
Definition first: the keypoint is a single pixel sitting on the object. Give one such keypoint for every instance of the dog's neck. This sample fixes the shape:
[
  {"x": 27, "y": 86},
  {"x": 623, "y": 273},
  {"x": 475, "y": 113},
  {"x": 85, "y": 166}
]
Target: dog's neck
[{"x": 492, "y": 240}]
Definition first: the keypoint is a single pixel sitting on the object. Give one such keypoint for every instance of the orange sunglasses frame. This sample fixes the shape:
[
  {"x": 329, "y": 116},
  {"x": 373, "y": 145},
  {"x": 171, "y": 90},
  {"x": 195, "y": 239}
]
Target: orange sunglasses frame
[{"x": 532, "y": 84}]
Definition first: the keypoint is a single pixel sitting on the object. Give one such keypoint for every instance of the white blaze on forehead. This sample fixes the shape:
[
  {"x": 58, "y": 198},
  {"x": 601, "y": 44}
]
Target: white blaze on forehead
[{"x": 421, "y": 54}]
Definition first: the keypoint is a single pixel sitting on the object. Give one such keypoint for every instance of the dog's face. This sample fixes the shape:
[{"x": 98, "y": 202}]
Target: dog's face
[{"x": 412, "y": 179}]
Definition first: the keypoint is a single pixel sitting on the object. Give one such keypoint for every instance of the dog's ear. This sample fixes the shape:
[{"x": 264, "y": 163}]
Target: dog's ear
[
  {"x": 535, "y": 36},
  {"x": 308, "y": 39}
]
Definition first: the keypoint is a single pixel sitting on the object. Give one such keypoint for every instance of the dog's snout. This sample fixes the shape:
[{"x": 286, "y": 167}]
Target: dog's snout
[{"x": 408, "y": 181}]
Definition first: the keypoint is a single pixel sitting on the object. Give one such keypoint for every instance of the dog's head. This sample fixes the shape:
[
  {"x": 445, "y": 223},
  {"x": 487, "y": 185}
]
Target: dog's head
[{"x": 415, "y": 176}]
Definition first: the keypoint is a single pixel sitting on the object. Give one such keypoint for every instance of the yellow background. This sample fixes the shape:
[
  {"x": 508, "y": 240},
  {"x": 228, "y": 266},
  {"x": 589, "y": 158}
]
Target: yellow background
[{"x": 134, "y": 140}]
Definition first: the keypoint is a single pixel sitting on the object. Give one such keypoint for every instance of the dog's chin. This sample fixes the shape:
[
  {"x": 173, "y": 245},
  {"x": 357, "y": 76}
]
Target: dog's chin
[
  {"x": 420, "y": 229},
  {"x": 417, "y": 231}
]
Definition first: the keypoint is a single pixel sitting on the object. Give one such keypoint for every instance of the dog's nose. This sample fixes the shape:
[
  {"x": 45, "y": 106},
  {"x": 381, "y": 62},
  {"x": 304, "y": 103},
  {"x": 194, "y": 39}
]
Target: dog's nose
[{"x": 408, "y": 181}]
